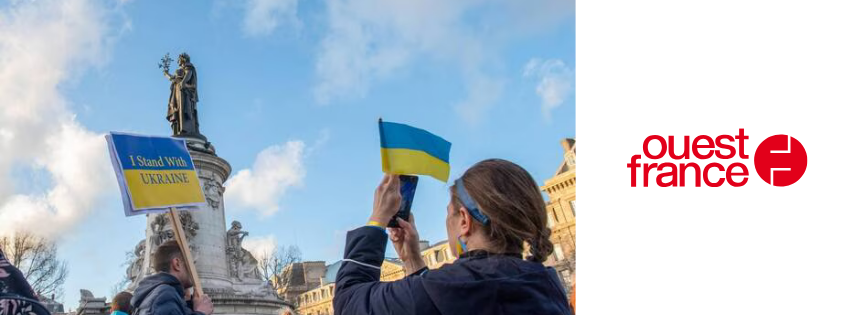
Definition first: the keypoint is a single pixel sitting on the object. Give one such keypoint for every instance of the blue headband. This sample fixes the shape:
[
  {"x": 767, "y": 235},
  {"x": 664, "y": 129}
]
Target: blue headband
[{"x": 468, "y": 202}]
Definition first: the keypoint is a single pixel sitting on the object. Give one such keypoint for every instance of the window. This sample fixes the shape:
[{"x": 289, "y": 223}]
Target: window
[
  {"x": 439, "y": 255},
  {"x": 550, "y": 219},
  {"x": 573, "y": 207},
  {"x": 558, "y": 252}
]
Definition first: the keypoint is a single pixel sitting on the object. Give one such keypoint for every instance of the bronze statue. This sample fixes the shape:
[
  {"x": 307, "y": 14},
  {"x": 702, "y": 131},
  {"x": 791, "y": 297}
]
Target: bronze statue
[{"x": 182, "y": 103}]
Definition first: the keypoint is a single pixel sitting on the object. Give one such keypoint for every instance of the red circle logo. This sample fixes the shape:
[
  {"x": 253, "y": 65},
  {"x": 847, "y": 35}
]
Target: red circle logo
[{"x": 780, "y": 160}]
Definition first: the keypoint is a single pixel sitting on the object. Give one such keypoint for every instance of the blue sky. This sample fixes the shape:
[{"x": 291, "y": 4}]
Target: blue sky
[{"x": 297, "y": 84}]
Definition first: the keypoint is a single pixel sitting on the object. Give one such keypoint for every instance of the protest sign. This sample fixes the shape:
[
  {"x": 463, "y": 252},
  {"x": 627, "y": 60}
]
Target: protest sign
[{"x": 156, "y": 174}]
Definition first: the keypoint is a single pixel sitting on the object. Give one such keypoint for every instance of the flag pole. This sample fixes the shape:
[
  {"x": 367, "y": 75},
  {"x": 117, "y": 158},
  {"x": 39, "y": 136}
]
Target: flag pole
[
  {"x": 180, "y": 236},
  {"x": 385, "y": 161}
]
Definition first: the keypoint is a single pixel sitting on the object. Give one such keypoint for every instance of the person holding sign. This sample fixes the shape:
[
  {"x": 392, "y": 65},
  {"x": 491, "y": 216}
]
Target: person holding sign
[
  {"x": 163, "y": 293},
  {"x": 156, "y": 174},
  {"x": 495, "y": 210}
]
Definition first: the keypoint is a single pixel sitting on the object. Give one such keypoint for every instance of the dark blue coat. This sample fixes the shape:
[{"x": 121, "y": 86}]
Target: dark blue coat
[
  {"x": 16, "y": 295},
  {"x": 477, "y": 284},
  {"x": 160, "y": 294}
]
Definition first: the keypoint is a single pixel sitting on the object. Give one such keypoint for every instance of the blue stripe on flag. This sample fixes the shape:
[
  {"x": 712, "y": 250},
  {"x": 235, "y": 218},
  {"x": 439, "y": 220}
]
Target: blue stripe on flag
[{"x": 401, "y": 136}]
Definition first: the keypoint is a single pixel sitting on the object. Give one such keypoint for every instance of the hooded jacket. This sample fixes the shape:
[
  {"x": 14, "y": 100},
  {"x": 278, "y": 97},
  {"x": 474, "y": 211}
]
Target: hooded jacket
[
  {"x": 473, "y": 284},
  {"x": 160, "y": 294}
]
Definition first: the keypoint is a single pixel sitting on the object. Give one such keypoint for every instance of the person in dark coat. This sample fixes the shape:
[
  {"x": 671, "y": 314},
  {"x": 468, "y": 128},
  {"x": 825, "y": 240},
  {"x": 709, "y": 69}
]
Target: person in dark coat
[
  {"x": 495, "y": 209},
  {"x": 163, "y": 293},
  {"x": 12, "y": 280},
  {"x": 16, "y": 295}
]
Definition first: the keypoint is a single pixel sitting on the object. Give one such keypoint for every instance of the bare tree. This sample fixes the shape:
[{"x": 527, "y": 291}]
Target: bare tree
[
  {"x": 121, "y": 285},
  {"x": 36, "y": 258},
  {"x": 272, "y": 264}
]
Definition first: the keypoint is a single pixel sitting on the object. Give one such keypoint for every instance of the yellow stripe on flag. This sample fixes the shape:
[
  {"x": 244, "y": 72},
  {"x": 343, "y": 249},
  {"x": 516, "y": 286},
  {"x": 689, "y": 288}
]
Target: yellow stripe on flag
[
  {"x": 405, "y": 161},
  {"x": 154, "y": 188}
]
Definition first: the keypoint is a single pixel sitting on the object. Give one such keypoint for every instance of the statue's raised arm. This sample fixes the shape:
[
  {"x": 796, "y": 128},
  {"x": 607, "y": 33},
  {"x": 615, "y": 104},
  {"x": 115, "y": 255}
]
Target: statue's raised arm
[{"x": 165, "y": 64}]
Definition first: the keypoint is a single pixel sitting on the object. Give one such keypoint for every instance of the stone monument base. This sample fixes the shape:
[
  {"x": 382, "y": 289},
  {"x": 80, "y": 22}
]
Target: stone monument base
[
  {"x": 232, "y": 302},
  {"x": 228, "y": 272}
]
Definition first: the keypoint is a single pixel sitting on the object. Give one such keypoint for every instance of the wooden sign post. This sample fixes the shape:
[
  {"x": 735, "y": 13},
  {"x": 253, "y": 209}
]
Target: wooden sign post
[{"x": 180, "y": 236}]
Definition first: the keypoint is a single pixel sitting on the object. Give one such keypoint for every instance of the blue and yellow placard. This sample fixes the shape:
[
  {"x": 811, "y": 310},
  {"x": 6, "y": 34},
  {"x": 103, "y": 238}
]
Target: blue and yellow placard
[{"x": 154, "y": 173}]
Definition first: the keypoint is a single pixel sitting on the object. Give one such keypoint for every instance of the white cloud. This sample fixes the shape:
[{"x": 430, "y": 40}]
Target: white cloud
[
  {"x": 483, "y": 91},
  {"x": 44, "y": 44},
  {"x": 260, "y": 246},
  {"x": 276, "y": 169},
  {"x": 556, "y": 82},
  {"x": 369, "y": 40},
  {"x": 262, "y": 17},
  {"x": 80, "y": 171}
]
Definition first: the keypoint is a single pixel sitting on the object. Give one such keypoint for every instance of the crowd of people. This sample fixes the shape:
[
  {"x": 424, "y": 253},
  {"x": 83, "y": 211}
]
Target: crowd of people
[
  {"x": 18, "y": 298},
  {"x": 496, "y": 214}
]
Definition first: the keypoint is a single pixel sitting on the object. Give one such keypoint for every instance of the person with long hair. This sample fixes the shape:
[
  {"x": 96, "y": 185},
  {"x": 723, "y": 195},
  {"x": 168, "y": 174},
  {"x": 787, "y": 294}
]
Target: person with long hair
[{"x": 495, "y": 213}]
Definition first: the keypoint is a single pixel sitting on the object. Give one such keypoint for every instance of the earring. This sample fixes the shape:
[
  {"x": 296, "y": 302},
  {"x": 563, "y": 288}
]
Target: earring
[{"x": 460, "y": 246}]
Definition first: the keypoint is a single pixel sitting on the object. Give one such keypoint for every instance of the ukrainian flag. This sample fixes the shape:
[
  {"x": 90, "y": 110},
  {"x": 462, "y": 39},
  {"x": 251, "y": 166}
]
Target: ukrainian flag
[{"x": 409, "y": 150}]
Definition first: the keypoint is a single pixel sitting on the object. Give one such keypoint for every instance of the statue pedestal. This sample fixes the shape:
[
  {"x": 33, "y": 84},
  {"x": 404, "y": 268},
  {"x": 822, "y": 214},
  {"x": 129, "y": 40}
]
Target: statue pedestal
[{"x": 234, "y": 286}]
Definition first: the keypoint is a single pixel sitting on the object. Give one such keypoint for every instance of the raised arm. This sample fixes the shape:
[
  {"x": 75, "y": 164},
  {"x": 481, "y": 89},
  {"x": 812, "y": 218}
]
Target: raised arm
[{"x": 358, "y": 286}]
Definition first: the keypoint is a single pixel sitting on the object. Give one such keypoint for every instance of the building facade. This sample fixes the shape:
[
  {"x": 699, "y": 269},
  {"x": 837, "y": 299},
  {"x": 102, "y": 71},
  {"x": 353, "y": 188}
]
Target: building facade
[
  {"x": 319, "y": 301},
  {"x": 434, "y": 256},
  {"x": 561, "y": 214},
  {"x": 91, "y": 305},
  {"x": 298, "y": 278},
  {"x": 437, "y": 255},
  {"x": 392, "y": 269},
  {"x": 310, "y": 285}
]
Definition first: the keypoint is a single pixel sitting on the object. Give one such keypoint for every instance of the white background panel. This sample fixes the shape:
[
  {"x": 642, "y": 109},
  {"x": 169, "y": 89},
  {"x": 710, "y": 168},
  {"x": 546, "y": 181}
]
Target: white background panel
[{"x": 711, "y": 67}]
